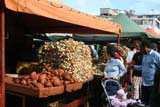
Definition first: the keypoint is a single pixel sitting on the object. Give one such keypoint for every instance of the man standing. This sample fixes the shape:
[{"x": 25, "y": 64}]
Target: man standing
[
  {"x": 136, "y": 76},
  {"x": 150, "y": 63}
]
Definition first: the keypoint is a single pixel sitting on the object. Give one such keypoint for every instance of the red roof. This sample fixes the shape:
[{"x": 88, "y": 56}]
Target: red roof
[{"x": 153, "y": 33}]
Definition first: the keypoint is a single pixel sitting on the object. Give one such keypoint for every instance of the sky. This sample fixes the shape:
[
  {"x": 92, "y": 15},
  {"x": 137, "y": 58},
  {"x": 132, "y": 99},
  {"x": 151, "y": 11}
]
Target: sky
[{"x": 93, "y": 6}]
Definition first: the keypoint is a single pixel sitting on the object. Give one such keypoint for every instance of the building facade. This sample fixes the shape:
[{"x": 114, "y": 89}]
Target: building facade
[{"x": 145, "y": 21}]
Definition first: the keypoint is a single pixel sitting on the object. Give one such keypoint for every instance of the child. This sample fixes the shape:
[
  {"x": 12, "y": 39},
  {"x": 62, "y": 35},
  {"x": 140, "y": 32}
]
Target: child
[{"x": 121, "y": 99}]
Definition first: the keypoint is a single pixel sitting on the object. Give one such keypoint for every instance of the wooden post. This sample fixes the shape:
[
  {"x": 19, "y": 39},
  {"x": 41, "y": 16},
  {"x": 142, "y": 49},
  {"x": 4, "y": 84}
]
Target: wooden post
[
  {"x": 2, "y": 50},
  {"x": 118, "y": 40}
]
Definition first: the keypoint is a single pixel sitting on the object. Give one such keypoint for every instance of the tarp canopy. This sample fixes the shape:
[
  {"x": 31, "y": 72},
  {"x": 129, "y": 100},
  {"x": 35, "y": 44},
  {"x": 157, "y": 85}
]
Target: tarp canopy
[
  {"x": 46, "y": 16},
  {"x": 129, "y": 27}
]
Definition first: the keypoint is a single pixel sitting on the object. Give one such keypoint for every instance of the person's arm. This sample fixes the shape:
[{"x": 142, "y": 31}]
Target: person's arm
[
  {"x": 106, "y": 75},
  {"x": 105, "y": 72},
  {"x": 158, "y": 61},
  {"x": 138, "y": 67},
  {"x": 122, "y": 68},
  {"x": 131, "y": 68},
  {"x": 157, "y": 76}
]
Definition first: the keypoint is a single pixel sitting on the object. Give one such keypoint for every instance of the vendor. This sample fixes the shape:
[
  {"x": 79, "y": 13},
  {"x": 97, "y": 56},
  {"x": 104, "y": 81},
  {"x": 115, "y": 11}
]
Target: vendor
[
  {"x": 94, "y": 52},
  {"x": 114, "y": 67}
]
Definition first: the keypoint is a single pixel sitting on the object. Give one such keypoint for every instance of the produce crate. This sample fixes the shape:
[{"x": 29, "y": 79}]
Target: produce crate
[
  {"x": 35, "y": 92},
  {"x": 73, "y": 87}
]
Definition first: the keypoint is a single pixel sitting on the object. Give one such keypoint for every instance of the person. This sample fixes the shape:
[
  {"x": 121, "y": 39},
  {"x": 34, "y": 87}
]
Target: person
[
  {"x": 155, "y": 97},
  {"x": 136, "y": 75},
  {"x": 113, "y": 65},
  {"x": 150, "y": 63},
  {"x": 135, "y": 50},
  {"x": 94, "y": 52},
  {"x": 121, "y": 99},
  {"x": 154, "y": 46}
]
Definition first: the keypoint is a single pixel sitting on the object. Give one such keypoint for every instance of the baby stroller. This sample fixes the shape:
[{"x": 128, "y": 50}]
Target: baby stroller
[{"x": 110, "y": 88}]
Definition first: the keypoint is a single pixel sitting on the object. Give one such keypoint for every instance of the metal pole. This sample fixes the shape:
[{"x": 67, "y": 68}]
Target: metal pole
[{"x": 2, "y": 52}]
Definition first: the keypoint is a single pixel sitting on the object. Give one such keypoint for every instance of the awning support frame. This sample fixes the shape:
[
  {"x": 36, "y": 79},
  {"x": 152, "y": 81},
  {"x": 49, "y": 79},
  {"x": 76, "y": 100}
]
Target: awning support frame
[{"x": 2, "y": 52}]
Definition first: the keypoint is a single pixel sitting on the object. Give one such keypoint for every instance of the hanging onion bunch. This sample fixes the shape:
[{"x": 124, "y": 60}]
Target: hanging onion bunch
[{"x": 72, "y": 56}]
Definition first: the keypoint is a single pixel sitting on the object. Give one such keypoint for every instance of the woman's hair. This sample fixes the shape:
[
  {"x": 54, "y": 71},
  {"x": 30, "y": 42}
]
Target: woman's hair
[{"x": 111, "y": 50}]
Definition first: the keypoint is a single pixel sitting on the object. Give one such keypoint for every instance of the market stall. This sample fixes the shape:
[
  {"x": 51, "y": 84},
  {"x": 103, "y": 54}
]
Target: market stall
[{"x": 41, "y": 16}]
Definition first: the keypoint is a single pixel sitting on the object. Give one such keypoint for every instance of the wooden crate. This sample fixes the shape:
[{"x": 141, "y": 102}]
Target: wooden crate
[
  {"x": 73, "y": 87},
  {"x": 35, "y": 92}
]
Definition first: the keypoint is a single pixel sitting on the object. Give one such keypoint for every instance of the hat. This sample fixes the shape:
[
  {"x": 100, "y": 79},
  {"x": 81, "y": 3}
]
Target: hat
[{"x": 121, "y": 92}]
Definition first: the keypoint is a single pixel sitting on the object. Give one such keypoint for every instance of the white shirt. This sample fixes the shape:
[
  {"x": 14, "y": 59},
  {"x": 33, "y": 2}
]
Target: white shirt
[{"x": 130, "y": 56}]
